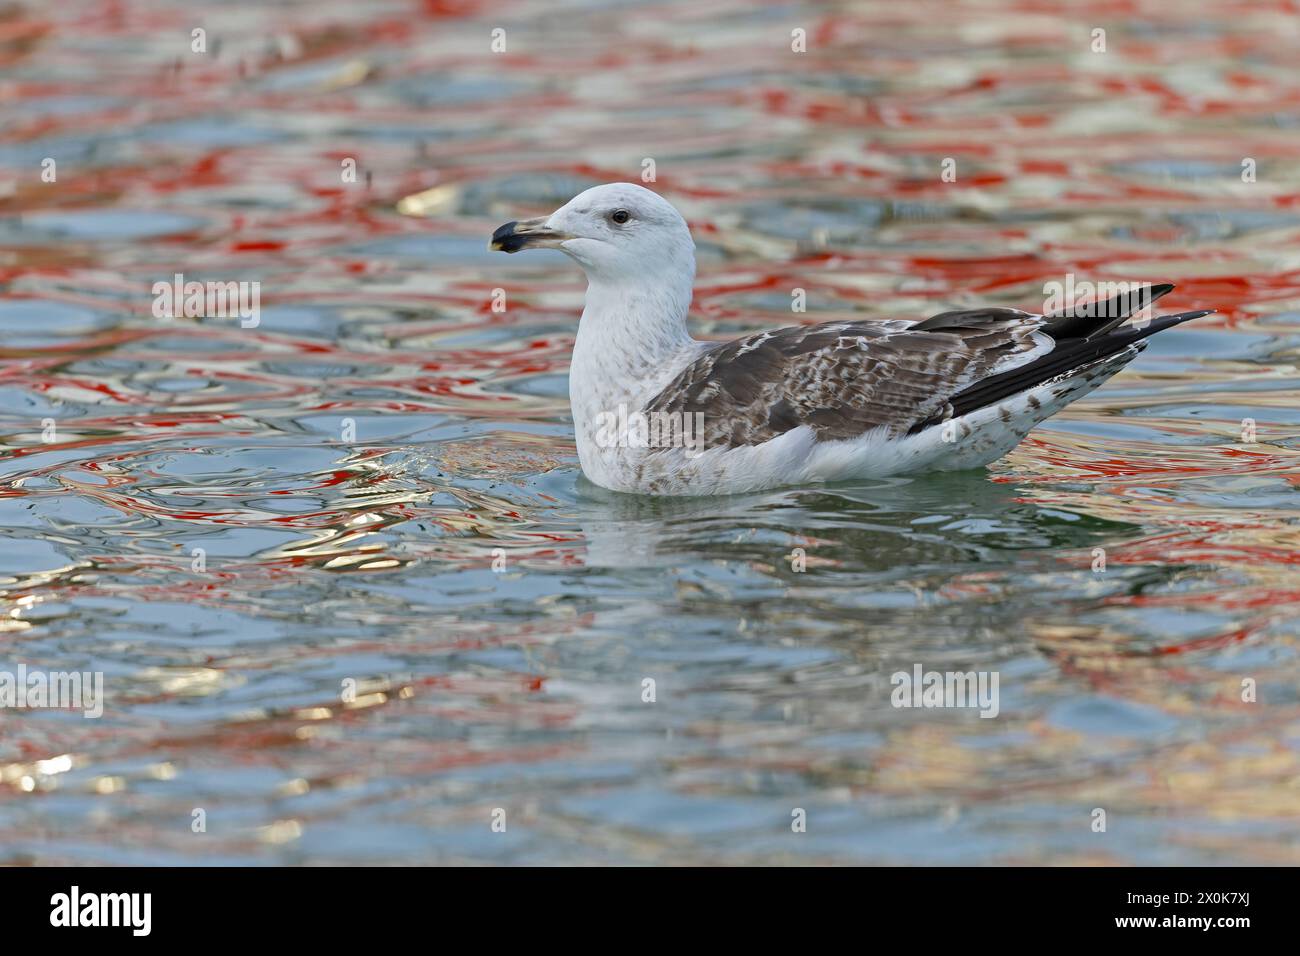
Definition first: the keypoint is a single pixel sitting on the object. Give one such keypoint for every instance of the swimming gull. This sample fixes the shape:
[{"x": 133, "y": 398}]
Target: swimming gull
[{"x": 657, "y": 412}]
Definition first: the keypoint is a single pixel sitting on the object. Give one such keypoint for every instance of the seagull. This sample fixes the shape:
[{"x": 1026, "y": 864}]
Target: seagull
[{"x": 656, "y": 412}]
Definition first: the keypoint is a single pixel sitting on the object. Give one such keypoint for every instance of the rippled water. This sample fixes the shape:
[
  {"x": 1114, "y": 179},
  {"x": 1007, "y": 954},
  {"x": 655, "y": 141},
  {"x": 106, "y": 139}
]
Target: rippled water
[{"x": 230, "y": 523}]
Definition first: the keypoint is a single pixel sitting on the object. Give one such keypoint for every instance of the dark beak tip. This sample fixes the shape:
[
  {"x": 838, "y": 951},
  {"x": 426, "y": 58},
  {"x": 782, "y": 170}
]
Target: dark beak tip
[{"x": 500, "y": 238}]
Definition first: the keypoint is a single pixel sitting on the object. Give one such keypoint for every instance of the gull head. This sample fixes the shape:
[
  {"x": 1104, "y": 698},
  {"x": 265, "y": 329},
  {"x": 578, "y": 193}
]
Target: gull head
[{"x": 616, "y": 232}]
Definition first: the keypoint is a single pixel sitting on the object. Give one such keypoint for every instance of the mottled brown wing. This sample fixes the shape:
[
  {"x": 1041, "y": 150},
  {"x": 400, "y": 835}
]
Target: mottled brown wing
[{"x": 845, "y": 379}]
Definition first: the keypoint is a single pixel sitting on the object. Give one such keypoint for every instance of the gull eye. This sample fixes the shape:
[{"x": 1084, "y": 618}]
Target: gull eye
[{"x": 620, "y": 216}]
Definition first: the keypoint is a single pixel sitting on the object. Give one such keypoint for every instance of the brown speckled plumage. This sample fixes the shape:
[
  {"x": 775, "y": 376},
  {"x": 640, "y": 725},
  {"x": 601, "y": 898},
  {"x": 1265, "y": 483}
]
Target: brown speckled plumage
[{"x": 844, "y": 379}]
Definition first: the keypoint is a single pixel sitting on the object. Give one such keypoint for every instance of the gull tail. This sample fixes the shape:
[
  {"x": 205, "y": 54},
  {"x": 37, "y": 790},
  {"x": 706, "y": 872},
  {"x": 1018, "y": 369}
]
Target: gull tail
[{"x": 1081, "y": 343}]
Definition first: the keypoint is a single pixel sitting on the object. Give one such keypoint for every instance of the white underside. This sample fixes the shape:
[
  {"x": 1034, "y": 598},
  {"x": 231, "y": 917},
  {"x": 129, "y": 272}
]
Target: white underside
[{"x": 797, "y": 458}]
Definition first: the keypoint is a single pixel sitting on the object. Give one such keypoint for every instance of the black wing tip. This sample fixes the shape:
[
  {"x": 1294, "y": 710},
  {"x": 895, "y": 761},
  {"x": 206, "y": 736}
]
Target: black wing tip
[
  {"x": 1094, "y": 319},
  {"x": 1198, "y": 314},
  {"x": 1135, "y": 296},
  {"x": 1168, "y": 321},
  {"x": 1075, "y": 355}
]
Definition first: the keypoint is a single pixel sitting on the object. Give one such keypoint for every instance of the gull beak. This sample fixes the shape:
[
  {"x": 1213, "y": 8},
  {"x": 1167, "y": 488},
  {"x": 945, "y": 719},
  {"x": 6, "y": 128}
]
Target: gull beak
[{"x": 527, "y": 234}]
